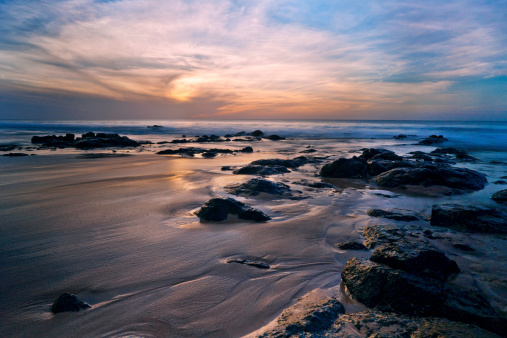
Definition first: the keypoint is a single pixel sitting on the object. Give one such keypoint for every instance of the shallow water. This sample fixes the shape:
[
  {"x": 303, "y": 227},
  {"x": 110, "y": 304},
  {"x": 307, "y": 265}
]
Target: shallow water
[{"x": 119, "y": 232}]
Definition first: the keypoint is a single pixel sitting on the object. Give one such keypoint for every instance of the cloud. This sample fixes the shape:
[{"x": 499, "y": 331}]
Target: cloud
[{"x": 263, "y": 58}]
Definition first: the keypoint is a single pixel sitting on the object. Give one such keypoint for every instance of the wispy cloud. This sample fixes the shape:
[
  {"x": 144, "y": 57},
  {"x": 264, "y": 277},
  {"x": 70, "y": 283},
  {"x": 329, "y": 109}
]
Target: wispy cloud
[{"x": 272, "y": 58}]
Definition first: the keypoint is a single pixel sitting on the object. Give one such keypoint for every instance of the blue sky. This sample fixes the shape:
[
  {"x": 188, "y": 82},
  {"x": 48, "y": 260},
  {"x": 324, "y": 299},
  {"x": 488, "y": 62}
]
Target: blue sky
[{"x": 253, "y": 59}]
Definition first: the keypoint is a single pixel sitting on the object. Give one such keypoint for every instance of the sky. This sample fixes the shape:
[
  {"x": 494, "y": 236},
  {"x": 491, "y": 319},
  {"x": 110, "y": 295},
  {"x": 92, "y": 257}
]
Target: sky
[{"x": 235, "y": 59}]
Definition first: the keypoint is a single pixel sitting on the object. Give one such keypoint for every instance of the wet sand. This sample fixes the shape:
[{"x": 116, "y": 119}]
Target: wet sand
[{"x": 120, "y": 233}]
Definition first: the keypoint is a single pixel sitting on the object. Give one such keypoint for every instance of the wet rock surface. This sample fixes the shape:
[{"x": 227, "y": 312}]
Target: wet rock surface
[
  {"x": 459, "y": 154},
  {"x": 261, "y": 170},
  {"x": 345, "y": 168},
  {"x": 460, "y": 179},
  {"x": 469, "y": 218},
  {"x": 307, "y": 318},
  {"x": 291, "y": 164},
  {"x": 250, "y": 262},
  {"x": 315, "y": 184},
  {"x": 351, "y": 245},
  {"x": 218, "y": 209},
  {"x": 258, "y": 185},
  {"x": 391, "y": 215},
  {"x": 68, "y": 302},
  {"x": 500, "y": 196}
]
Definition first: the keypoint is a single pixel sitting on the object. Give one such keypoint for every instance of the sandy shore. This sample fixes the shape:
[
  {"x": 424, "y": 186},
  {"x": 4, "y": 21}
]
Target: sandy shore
[{"x": 120, "y": 233}]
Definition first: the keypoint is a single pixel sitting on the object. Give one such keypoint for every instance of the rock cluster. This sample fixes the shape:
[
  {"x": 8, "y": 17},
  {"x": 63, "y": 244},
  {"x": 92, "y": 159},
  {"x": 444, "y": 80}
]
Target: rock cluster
[{"x": 89, "y": 140}]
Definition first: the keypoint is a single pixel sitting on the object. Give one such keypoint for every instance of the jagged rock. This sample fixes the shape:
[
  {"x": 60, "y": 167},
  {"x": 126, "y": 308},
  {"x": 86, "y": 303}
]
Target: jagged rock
[
  {"x": 500, "y": 196},
  {"x": 217, "y": 209},
  {"x": 469, "y": 218},
  {"x": 416, "y": 258},
  {"x": 345, "y": 168},
  {"x": 351, "y": 245},
  {"x": 386, "y": 325},
  {"x": 461, "y": 179},
  {"x": 55, "y": 141},
  {"x": 307, "y": 318},
  {"x": 261, "y": 170},
  {"x": 433, "y": 139},
  {"x": 391, "y": 215},
  {"x": 258, "y": 185},
  {"x": 246, "y": 261},
  {"x": 101, "y": 140},
  {"x": 392, "y": 290},
  {"x": 67, "y": 302}
]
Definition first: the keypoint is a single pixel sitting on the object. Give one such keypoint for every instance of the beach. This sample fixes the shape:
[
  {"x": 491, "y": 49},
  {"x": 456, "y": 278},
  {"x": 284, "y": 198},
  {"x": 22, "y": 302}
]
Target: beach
[{"x": 118, "y": 227}]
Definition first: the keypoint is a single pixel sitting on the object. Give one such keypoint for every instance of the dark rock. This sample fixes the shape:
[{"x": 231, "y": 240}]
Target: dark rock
[
  {"x": 500, "y": 196},
  {"x": 275, "y": 138},
  {"x": 460, "y": 154},
  {"x": 180, "y": 141},
  {"x": 247, "y": 150},
  {"x": 463, "y": 247},
  {"x": 351, "y": 245},
  {"x": 180, "y": 151},
  {"x": 419, "y": 155},
  {"x": 307, "y": 151},
  {"x": 15, "y": 154},
  {"x": 217, "y": 209},
  {"x": 55, "y": 141},
  {"x": 101, "y": 140},
  {"x": 209, "y": 154},
  {"x": 261, "y": 170},
  {"x": 67, "y": 302},
  {"x": 309, "y": 317},
  {"x": 429, "y": 175},
  {"x": 400, "y": 137},
  {"x": 155, "y": 126},
  {"x": 384, "y": 154},
  {"x": 380, "y": 234},
  {"x": 433, "y": 139},
  {"x": 469, "y": 218},
  {"x": 500, "y": 182},
  {"x": 391, "y": 290},
  {"x": 257, "y": 133},
  {"x": 225, "y": 168},
  {"x": 375, "y": 168},
  {"x": 254, "y": 263},
  {"x": 7, "y": 147},
  {"x": 313, "y": 184},
  {"x": 258, "y": 185},
  {"x": 391, "y": 215},
  {"x": 345, "y": 168},
  {"x": 292, "y": 164},
  {"x": 387, "y": 324},
  {"x": 416, "y": 258}
]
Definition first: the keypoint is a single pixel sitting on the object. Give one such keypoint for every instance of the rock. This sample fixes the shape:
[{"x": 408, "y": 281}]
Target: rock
[
  {"x": 217, "y": 209},
  {"x": 460, "y": 154},
  {"x": 313, "y": 184},
  {"x": 309, "y": 317},
  {"x": 469, "y": 218},
  {"x": 400, "y": 137},
  {"x": 345, "y": 168},
  {"x": 380, "y": 234},
  {"x": 209, "y": 154},
  {"x": 375, "y": 168},
  {"x": 155, "y": 126},
  {"x": 461, "y": 179},
  {"x": 351, "y": 245},
  {"x": 308, "y": 151},
  {"x": 261, "y": 170},
  {"x": 55, "y": 141},
  {"x": 258, "y": 185},
  {"x": 419, "y": 155},
  {"x": 225, "y": 168},
  {"x": 180, "y": 151},
  {"x": 416, "y": 258},
  {"x": 500, "y": 196},
  {"x": 7, "y": 147},
  {"x": 380, "y": 154},
  {"x": 292, "y": 164},
  {"x": 67, "y": 302},
  {"x": 101, "y": 140},
  {"x": 500, "y": 182},
  {"x": 275, "y": 138},
  {"x": 257, "y": 133},
  {"x": 433, "y": 139},
  {"x": 392, "y": 290},
  {"x": 386, "y": 325},
  {"x": 463, "y": 247},
  {"x": 254, "y": 263},
  {"x": 247, "y": 150},
  {"x": 391, "y": 215},
  {"x": 15, "y": 154}
]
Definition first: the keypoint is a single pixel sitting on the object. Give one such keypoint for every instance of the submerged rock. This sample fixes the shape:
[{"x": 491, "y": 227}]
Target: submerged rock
[
  {"x": 469, "y": 218},
  {"x": 500, "y": 196},
  {"x": 218, "y": 209},
  {"x": 309, "y": 317},
  {"x": 345, "y": 168},
  {"x": 391, "y": 215},
  {"x": 258, "y": 185},
  {"x": 67, "y": 302},
  {"x": 433, "y": 139},
  {"x": 245, "y": 261},
  {"x": 428, "y": 175},
  {"x": 261, "y": 170}
]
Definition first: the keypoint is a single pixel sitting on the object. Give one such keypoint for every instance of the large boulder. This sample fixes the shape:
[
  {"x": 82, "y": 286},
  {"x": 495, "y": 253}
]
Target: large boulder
[
  {"x": 500, "y": 196},
  {"x": 218, "y": 209},
  {"x": 461, "y": 179},
  {"x": 416, "y": 258},
  {"x": 469, "y": 218},
  {"x": 258, "y": 185},
  {"x": 68, "y": 302},
  {"x": 345, "y": 168}
]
